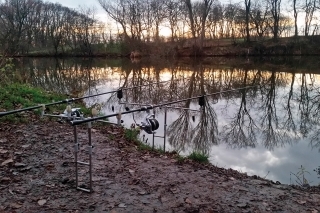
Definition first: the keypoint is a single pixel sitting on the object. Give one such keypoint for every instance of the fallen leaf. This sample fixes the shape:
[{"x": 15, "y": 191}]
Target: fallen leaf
[
  {"x": 164, "y": 199},
  {"x": 6, "y": 162},
  {"x": 243, "y": 189},
  {"x": 188, "y": 201},
  {"x": 175, "y": 190},
  {"x": 42, "y": 202},
  {"x": 122, "y": 205},
  {"x": 2, "y": 151},
  {"x": 25, "y": 169},
  {"x": 301, "y": 202},
  {"x": 142, "y": 192},
  {"x": 131, "y": 172},
  {"x": 15, "y": 205},
  {"x": 3, "y": 140},
  {"x": 25, "y": 146},
  {"x": 242, "y": 205},
  {"x": 4, "y": 179},
  {"x": 19, "y": 165}
]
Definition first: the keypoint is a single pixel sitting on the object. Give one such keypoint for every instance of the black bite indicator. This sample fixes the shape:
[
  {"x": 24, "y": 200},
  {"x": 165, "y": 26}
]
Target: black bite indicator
[
  {"x": 193, "y": 118},
  {"x": 201, "y": 101},
  {"x": 112, "y": 108},
  {"x": 127, "y": 109},
  {"x": 119, "y": 94}
]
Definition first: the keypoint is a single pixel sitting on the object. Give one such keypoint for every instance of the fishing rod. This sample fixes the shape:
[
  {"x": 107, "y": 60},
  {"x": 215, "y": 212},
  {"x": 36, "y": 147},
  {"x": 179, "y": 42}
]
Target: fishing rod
[
  {"x": 147, "y": 108},
  {"x": 119, "y": 94}
]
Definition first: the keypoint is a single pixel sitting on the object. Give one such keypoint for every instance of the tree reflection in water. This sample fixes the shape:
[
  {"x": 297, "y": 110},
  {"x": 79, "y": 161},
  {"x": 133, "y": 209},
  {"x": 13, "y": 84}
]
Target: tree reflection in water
[
  {"x": 289, "y": 123},
  {"x": 284, "y": 107},
  {"x": 241, "y": 132},
  {"x": 272, "y": 134},
  {"x": 179, "y": 131},
  {"x": 205, "y": 134}
]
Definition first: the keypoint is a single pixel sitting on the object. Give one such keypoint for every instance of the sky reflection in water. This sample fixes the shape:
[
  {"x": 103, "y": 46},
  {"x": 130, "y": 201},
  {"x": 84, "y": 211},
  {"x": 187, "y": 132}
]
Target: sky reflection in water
[{"x": 265, "y": 131}]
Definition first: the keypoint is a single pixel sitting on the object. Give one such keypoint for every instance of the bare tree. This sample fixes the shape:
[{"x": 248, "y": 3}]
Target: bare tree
[
  {"x": 295, "y": 15},
  {"x": 118, "y": 10},
  {"x": 215, "y": 20},
  {"x": 14, "y": 14},
  {"x": 174, "y": 15},
  {"x": 275, "y": 7},
  {"x": 206, "y": 7},
  {"x": 259, "y": 16},
  {"x": 231, "y": 12},
  {"x": 247, "y": 4},
  {"x": 191, "y": 18},
  {"x": 309, "y": 9}
]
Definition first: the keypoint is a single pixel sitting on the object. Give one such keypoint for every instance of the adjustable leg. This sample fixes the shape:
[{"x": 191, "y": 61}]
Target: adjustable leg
[
  {"x": 77, "y": 162},
  {"x": 90, "y": 156},
  {"x": 76, "y": 150}
]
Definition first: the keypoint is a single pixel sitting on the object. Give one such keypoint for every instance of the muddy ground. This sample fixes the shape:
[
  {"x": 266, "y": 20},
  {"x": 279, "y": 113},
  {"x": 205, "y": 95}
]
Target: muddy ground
[{"x": 37, "y": 174}]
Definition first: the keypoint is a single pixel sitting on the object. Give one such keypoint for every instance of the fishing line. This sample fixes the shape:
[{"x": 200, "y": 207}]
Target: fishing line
[{"x": 201, "y": 101}]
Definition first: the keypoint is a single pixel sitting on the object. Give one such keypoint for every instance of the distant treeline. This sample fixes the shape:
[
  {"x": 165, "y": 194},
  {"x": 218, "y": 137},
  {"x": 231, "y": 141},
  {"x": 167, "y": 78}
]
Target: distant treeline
[
  {"x": 28, "y": 26},
  {"x": 34, "y": 27}
]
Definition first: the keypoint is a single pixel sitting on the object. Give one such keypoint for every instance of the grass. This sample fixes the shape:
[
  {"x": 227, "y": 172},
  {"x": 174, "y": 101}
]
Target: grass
[
  {"x": 301, "y": 177},
  {"x": 18, "y": 96},
  {"x": 132, "y": 135},
  {"x": 195, "y": 156},
  {"x": 199, "y": 157}
]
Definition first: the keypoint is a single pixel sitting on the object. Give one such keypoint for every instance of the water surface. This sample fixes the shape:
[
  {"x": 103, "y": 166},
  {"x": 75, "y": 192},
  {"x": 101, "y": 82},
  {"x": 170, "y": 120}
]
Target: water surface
[{"x": 268, "y": 125}]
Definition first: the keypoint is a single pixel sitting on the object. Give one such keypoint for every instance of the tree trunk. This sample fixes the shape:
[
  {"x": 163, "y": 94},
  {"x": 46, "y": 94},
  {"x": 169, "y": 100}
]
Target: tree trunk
[{"x": 248, "y": 5}]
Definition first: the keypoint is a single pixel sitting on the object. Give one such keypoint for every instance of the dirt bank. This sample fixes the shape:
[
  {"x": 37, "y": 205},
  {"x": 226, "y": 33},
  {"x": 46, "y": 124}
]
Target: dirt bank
[{"x": 38, "y": 175}]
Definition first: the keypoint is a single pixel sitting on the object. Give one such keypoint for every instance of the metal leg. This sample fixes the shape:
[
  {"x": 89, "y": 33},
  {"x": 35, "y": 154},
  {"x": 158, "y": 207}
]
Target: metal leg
[
  {"x": 165, "y": 129},
  {"x": 90, "y": 156},
  {"x": 77, "y": 162},
  {"x": 76, "y": 149},
  {"x": 152, "y": 141}
]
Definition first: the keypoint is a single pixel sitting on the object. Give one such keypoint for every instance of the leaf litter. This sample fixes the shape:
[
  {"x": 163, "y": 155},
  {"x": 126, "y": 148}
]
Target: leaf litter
[{"x": 40, "y": 177}]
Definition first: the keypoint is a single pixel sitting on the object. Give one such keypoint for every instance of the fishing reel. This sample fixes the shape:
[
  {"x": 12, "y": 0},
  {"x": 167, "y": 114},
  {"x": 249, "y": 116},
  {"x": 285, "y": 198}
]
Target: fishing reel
[
  {"x": 72, "y": 113},
  {"x": 150, "y": 124}
]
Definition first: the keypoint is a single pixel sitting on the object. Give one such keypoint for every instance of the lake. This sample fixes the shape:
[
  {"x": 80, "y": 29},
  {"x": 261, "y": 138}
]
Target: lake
[{"x": 259, "y": 116}]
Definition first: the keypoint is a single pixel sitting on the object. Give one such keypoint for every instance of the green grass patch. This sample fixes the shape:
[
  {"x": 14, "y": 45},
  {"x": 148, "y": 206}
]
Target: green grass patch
[
  {"x": 199, "y": 157},
  {"x": 18, "y": 96},
  {"x": 132, "y": 135},
  {"x": 180, "y": 158}
]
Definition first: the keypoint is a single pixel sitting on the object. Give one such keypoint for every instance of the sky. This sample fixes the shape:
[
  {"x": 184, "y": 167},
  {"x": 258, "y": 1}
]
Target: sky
[
  {"x": 75, "y": 4},
  {"x": 101, "y": 14}
]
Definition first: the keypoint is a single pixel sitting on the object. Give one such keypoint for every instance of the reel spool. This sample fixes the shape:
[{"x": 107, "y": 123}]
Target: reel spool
[
  {"x": 150, "y": 124},
  {"x": 71, "y": 112}
]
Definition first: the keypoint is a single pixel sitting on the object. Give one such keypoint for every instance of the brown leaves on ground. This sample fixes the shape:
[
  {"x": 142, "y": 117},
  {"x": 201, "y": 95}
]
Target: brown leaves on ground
[{"x": 38, "y": 175}]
